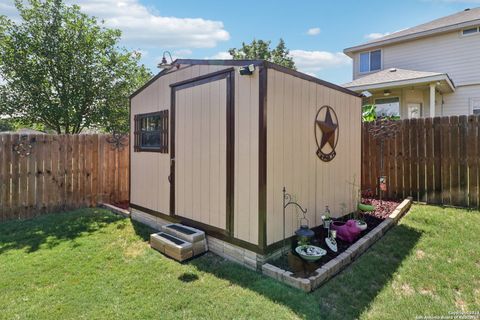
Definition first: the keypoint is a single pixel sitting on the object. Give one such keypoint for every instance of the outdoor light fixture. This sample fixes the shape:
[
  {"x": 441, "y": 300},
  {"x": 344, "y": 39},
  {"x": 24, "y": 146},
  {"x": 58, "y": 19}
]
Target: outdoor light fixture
[
  {"x": 366, "y": 94},
  {"x": 247, "y": 70},
  {"x": 164, "y": 64},
  {"x": 386, "y": 93}
]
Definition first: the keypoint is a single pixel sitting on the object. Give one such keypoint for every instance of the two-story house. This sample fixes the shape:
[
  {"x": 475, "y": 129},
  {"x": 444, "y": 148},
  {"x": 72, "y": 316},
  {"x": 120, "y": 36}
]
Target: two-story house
[{"x": 429, "y": 70}]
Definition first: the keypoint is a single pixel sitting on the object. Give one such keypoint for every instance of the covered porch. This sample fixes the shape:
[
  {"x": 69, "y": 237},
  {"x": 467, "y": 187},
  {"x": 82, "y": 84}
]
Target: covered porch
[{"x": 404, "y": 93}]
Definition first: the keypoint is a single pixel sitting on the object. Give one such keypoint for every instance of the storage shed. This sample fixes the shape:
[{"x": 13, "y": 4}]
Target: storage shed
[{"x": 213, "y": 147}]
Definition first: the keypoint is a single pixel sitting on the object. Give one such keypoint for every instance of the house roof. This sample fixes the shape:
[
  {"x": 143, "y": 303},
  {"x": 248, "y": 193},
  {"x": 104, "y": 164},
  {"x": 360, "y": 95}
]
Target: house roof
[
  {"x": 394, "y": 77},
  {"x": 456, "y": 21}
]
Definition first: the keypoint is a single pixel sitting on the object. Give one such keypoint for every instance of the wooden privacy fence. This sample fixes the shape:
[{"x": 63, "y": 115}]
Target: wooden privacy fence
[
  {"x": 48, "y": 173},
  {"x": 434, "y": 160}
]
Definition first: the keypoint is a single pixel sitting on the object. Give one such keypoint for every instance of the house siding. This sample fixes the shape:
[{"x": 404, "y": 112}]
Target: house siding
[{"x": 449, "y": 53}]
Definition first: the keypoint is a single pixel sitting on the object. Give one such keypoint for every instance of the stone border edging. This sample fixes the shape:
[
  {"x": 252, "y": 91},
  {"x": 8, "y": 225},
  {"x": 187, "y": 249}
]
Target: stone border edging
[
  {"x": 337, "y": 264},
  {"x": 123, "y": 212}
]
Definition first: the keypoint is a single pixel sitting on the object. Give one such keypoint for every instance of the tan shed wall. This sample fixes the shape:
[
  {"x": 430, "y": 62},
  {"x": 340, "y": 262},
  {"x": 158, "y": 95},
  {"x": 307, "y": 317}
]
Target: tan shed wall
[
  {"x": 149, "y": 180},
  {"x": 150, "y": 170},
  {"x": 292, "y": 104},
  {"x": 200, "y": 153}
]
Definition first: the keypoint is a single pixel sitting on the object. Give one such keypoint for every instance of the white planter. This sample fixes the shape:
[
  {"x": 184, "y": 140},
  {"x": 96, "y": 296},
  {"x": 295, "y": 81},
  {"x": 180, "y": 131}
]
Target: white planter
[{"x": 361, "y": 225}]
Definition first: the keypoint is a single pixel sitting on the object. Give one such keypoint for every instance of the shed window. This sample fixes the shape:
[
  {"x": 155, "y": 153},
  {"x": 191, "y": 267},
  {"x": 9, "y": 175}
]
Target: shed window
[
  {"x": 151, "y": 132},
  {"x": 370, "y": 61}
]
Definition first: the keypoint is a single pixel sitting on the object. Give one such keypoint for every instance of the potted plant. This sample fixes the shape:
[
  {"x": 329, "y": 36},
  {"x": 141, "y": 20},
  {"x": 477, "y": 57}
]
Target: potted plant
[{"x": 361, "y": 207}]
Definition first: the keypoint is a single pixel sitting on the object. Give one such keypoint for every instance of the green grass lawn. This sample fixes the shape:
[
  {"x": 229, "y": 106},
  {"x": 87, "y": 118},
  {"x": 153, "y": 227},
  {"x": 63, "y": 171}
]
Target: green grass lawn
[{"x": 91, "y": 264}]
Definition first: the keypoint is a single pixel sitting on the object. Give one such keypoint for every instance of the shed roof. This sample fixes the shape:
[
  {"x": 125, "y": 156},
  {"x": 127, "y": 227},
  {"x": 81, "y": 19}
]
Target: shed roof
[{"x": 456, "y": 21}]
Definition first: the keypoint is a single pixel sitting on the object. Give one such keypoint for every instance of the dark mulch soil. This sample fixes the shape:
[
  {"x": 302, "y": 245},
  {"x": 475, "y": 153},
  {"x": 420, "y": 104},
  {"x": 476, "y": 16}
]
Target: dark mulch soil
[
  {"x": 300, "y": 268},
  {"x": 121, "y": 204}
]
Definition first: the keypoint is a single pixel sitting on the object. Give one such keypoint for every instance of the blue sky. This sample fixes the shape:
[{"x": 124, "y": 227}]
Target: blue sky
[{"x": 201, "y": 29}]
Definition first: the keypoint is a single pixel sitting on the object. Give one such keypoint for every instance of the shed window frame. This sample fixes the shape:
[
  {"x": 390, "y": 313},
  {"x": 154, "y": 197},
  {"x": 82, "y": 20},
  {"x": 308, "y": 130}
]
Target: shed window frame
[{"x": 162, "y": 131}]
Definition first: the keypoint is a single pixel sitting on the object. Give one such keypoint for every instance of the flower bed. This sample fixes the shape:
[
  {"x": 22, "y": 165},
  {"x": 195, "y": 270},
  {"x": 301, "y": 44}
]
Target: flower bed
[
  {"x": 300, "y": 268},
  {"x": 308, "y": 276}
]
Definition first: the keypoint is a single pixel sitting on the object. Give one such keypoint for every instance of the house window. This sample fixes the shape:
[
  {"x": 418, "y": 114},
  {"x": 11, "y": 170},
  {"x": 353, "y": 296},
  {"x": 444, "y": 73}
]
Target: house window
[
  {"x": 151, "y": 132},
  {"x": 370, "y": 61},
  {"x": 470, "y": 31},
  {"x": 388, "y": 107},
  {"x": 475, "y": 106}
]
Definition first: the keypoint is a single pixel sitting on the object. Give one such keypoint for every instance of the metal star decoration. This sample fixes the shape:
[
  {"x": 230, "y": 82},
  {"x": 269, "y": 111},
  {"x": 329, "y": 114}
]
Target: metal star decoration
[{"x": 328, "y": 128}]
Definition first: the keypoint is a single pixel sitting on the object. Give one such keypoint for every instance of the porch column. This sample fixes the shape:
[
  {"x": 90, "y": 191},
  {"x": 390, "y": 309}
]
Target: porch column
[{"x": 432, "y": 100}]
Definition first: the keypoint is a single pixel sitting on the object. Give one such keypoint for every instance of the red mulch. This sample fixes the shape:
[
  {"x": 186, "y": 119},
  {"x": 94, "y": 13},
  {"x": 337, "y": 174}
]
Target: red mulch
[{"x": 383, "y": 208}]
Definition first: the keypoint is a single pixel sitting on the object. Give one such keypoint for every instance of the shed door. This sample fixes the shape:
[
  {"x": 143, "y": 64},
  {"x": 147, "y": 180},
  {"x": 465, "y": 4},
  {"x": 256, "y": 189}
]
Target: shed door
[{"x": 202, "y": 167}]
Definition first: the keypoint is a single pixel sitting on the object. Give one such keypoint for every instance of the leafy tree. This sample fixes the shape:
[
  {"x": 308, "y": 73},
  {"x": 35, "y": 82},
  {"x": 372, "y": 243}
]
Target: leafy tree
[
  {"x": 369, "y": 113},
  {"x": 65, "y": 71},
  {"x": 6, "y": 125},
  {"x": 260, "y": 49}
]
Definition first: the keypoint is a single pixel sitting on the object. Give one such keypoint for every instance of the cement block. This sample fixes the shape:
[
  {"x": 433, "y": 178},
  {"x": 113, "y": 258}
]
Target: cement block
[
  {"x": 332, "y": 267},
  {"x": 178, "y": 251},
  {"x": 287, "y": 277},
  {"x": 344, "y": 259},
  {"x": 250, "y": 263},
  {"x": 272, "y": 271},
  {"x": 319, "y": 278},
  {"x": 199, "y": 247},
  {"x": 305, "y": 284}
]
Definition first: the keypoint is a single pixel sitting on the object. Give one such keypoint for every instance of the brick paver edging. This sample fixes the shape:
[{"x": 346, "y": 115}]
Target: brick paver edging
[
  {"x": 123, "y": 212},
  {"x": 334, "y": 266}
]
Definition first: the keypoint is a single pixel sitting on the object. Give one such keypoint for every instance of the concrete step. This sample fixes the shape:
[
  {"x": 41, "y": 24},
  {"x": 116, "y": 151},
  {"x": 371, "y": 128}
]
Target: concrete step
[
  {"x": 183, "y": 232},
  {"x": 179, "y": 242},
  {"x": 171, "y": 246}
]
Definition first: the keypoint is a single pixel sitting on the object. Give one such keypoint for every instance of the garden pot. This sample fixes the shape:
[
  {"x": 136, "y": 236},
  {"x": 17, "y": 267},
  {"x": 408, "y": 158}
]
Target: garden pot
[
  {"x": 310, "y": 253},
  {"x": 348, "y": 231}
]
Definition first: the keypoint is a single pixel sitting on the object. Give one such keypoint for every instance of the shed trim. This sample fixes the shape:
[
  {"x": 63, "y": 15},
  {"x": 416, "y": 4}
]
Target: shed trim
[
  {"x": 217, "y": 62},
  {"x": 262, "y": 159},
  {"x": 205, "y": 78}
]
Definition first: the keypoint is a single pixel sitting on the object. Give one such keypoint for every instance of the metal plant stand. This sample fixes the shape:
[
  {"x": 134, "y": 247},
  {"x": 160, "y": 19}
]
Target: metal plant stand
[{"x": 287, "y": 201}]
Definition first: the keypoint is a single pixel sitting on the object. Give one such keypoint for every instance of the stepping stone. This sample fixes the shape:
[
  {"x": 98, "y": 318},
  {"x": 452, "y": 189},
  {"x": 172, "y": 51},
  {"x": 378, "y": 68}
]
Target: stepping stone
[{"x": 171, "y": 246}]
